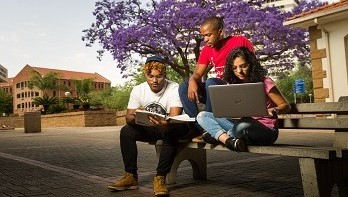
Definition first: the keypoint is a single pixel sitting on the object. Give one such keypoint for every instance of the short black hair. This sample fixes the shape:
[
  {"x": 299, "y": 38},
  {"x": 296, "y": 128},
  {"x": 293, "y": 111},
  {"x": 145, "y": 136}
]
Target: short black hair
[{"x": 214, "y": 21}]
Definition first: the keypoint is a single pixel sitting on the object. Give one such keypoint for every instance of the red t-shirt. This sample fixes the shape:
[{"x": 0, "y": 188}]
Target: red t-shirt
[{"x": 217, "y": 56}]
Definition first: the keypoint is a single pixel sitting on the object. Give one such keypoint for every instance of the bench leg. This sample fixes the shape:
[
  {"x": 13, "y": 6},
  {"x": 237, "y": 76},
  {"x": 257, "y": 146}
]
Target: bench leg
[
  {"x": 319, "y": 176},
  {"x": 196, "y": 157}
]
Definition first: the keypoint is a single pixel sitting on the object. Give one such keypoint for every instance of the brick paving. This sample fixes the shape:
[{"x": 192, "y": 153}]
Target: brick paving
[{"x": 83, "y": 161}]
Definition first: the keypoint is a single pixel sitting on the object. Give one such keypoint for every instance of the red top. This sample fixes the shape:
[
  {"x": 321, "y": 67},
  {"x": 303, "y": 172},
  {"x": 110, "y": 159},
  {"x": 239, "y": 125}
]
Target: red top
[{"x": 217, "y": 56}]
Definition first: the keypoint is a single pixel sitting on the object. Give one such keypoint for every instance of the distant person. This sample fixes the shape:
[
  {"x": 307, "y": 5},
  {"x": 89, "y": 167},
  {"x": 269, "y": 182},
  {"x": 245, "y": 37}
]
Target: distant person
[
  {"x": 213, "y": 54},
  {"x": 242, "y": 66},
  {"x": 158, "y": 95}
]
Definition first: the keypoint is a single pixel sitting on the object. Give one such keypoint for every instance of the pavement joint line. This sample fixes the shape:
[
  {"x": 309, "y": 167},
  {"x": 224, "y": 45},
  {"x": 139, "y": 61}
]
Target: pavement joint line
[
  {"x": 67, "y": 171},
  {"x": 62, "y": 170},
  {"x": 98, "y": 179}
]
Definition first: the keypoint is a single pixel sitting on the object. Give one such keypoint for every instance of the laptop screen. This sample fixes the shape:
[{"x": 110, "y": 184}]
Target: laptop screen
[{"x": 238, "y": 100}]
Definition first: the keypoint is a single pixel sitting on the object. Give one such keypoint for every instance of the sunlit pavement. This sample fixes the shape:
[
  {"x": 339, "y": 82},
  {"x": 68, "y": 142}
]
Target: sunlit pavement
[{"x": 83, "y": 161}]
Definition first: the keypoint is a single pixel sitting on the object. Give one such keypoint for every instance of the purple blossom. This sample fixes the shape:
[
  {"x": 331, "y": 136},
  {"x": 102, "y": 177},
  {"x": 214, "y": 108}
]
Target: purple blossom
[{"x": 171, "y": 28}]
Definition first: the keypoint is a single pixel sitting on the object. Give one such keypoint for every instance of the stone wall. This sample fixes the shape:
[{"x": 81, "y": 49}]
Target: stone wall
[
  {"x": 17, "y": 122},
  {"x": 121, "y": 117},
  {"x": 72, "y": 119},
  {"x": 80, "y": 119}
]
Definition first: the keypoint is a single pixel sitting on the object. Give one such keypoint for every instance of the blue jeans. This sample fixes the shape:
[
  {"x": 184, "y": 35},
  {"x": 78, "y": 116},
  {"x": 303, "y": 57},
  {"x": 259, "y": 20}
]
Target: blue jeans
[
  {"x": 190, "y": 107},
  {"x": 254, "y": 132}
]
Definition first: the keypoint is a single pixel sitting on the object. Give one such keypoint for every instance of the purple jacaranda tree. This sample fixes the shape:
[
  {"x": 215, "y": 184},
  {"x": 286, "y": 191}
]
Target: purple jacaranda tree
[{"x": 171, "y": 28}]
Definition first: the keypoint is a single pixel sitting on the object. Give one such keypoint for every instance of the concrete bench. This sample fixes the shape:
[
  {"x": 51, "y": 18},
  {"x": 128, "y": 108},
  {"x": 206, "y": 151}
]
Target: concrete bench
[{"x": 321, "y": 167}]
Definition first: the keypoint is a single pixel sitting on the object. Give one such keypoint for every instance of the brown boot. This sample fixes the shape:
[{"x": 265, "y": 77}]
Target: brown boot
[
  {"x": 128, "y": 181},
  {"x": 159, "y": 186}
]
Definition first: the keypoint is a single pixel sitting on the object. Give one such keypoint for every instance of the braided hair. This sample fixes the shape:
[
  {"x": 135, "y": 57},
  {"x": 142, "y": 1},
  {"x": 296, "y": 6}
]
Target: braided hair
[{"x": 257, "y": 72}]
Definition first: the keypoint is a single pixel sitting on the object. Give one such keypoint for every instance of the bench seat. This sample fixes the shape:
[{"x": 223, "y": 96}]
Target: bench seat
[{"x": 321, "y": 167}]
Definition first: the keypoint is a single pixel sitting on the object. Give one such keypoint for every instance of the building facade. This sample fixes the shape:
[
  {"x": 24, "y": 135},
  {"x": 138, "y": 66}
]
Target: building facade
[
  {"x": 7, "y": 85},
  {"x": 285, "y": 5},
  {"x": 23, "y": 95},
  {"x": 3, "y": 74},
  {"x": 328, "y": 36}
]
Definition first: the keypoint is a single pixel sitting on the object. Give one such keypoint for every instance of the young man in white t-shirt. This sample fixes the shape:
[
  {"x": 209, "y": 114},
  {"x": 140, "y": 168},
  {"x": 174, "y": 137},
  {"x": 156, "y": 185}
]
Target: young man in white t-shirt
[{"x": 158, "y": 95}]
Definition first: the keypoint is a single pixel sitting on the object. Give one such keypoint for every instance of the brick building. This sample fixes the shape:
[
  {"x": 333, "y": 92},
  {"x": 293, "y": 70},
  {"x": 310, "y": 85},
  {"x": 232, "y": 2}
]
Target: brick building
[{"x": 22, "y": 94}]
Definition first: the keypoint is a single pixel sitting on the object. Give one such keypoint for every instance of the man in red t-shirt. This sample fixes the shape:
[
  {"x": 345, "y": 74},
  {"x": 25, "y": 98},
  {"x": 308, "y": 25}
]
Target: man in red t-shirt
[{"x": 213, "y": 54}]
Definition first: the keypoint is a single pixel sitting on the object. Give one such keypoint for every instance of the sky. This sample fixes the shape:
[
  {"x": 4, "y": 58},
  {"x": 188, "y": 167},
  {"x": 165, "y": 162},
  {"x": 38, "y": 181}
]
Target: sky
[{"x": 47, "y": 33}]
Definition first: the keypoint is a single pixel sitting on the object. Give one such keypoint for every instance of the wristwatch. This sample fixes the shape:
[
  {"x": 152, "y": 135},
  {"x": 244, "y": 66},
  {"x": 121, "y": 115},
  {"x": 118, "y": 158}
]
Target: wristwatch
[{"x": 275, "y": 111}]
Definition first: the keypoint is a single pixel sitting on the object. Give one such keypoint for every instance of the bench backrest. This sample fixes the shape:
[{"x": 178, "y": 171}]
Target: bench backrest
[{"x": 329, "y": 115}]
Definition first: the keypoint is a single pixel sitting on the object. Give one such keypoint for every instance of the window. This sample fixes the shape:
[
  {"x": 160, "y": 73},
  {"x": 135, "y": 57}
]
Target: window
[
  {"x": 18, "y": 106},
  {"x": 54, "y": 93}
]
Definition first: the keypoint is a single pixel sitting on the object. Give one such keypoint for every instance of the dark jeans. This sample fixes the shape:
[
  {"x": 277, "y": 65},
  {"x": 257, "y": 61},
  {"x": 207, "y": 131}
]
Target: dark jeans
[
  {"x": 132, "y": 133},
  {"x": 190, "y": 107}
]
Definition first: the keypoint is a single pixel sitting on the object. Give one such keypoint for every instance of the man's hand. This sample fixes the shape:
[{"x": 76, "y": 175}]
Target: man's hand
[
  {"x": 192, "y": 92},
  {"x": 158, "y": 121}
]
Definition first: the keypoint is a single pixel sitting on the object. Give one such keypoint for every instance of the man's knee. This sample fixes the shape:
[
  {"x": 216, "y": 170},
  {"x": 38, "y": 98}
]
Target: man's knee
[{"x": 127, "y": 131}]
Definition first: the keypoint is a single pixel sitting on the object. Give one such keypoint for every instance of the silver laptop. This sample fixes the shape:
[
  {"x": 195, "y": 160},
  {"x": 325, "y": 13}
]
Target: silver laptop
[{"x": 238, "y": 100}]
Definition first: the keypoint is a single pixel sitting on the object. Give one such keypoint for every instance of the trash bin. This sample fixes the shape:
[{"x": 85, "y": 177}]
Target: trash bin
[{"x": 32, "y": 122}]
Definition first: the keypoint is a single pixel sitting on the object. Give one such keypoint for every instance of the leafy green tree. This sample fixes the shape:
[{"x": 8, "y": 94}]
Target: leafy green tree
[
  {"x": 6, "y": 102},
  {"x": 45, "y": 101},
  {"x": 286, "y": 82},
  {"x": 83, "y": 87},
  {"x": 112, "y": 98},
  {"x": 45, "y": 82}
]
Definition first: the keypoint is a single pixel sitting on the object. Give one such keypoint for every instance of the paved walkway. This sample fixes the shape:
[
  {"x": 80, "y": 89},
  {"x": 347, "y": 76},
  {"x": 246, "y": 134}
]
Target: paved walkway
[{"x": 83, "y": 161}]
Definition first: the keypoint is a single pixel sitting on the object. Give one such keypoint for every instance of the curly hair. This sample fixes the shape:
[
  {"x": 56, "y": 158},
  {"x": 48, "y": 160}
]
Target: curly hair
[
  {"x": 257, "y": 72},
  {"x": 153, "y": 65}
]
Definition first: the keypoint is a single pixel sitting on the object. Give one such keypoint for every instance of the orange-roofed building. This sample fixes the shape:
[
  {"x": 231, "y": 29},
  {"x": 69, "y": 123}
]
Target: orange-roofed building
[{"x": 23, "y": 95}]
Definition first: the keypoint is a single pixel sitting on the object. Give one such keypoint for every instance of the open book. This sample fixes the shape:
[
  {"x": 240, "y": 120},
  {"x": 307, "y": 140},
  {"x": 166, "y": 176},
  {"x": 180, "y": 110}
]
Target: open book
[{"x": 141, "y": 118}]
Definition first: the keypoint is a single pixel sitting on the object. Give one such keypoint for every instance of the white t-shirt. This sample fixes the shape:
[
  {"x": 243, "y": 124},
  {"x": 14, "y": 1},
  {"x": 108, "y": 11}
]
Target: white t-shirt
[{"x": 161, "y": 102}]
